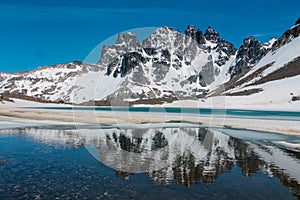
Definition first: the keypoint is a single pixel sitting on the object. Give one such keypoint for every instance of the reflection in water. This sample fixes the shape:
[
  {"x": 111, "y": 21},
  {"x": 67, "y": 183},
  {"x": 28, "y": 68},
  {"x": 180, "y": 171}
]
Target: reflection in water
[{"x": 183, "y": 155}]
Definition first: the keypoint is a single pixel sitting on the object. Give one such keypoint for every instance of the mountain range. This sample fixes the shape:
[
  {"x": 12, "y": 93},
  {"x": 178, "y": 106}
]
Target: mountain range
[{"x": 166, "y": 66}]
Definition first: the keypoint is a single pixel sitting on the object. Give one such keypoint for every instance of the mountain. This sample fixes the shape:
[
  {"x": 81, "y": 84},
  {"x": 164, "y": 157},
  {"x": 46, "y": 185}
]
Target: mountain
[
  {"x": 168, "y": 65},
  {"x": 274, "y": 77},
  {"x": 47, "y": 84}
]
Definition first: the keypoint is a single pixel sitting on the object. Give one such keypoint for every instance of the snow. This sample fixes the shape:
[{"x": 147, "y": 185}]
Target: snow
[
  {"x": 223, "y": 77},
  {"x": 270, "y": 43},
  {"x": 25, "y": 103},
  {"x": 281, "y": 56},
  {"x": 88, "y": 85},
  {"x": 233, "y": 102},
  {"x": 18, "y": 111},
  {"x": 78, "y": 84},
  {"x": 277, "y": 94},
  {"x": 289, "y": 145}
]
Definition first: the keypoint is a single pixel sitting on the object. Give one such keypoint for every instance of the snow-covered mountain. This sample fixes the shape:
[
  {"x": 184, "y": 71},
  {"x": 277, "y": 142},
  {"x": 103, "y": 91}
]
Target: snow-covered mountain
[
  {"x": 274, "y": 78},
  {"x": 166, "y": 66},
  {"x": 51, "y": 83}
]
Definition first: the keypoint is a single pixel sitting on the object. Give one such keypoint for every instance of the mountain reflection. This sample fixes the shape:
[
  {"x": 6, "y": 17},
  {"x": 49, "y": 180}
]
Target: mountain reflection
[{"x": 183, "y": 155}]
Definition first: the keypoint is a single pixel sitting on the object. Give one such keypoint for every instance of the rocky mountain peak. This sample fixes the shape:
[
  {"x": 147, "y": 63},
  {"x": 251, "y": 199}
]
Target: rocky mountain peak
[
  {"x": 196, "y": 35},
  {"x": 212, "y": 35},
  {"x": 162, "y": 38},
  {"x": 190, "y": 30},
  {"x": 126, "y": 42},
  {"x": 249, "y": 41},
  {"x": 227, "y": 48},
  {"x": 249, "y": 53}
]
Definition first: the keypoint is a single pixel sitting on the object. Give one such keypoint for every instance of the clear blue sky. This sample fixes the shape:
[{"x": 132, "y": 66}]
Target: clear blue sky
[{"x": 43, "y": 32}]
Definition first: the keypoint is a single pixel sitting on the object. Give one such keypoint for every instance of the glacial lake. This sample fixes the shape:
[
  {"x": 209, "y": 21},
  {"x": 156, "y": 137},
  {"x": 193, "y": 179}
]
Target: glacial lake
[
  {"x": 61, "y": 162},
  {"x": 257, "y": 114}
]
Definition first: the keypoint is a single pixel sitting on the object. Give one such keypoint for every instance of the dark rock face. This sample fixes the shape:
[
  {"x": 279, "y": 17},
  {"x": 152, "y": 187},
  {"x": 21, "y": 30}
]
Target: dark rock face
[
  {"x": 296, "y": 98},
  {"x": 250, "y": 52},
  {"x": 112, "y": 66},
  {"x": 212, "y": 35},
  {"x": 196, "y": 35},
  {"x": 207, "y": 75},
  {"x": 126, "y": 42},
  {"x": 227, "y": 48},
  {"x": 129, "y": 62}
]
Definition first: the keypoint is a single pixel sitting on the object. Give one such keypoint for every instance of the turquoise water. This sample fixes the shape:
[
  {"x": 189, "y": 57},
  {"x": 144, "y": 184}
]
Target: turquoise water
[
  {"x": 289, "y": 115},
  {"x": 233, "y": 113},
  {"x": 54, "y": 162}
]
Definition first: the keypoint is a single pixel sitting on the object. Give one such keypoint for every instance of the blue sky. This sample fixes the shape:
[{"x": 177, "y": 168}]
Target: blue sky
[{"x": 36, "y": 33}]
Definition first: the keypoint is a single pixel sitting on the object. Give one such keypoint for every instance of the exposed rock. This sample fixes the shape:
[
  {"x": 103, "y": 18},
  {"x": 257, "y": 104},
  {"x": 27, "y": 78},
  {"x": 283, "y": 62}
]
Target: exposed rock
[
  {"x": 207, "y": 75},
  {"x": 296, "y": 98},
  {"x": 287, "y": 36},
  {"x": 126, "y": 43},
  {"x": 250, "y": 52},
  {"x": 212, "y": 35},
  {"x": 196, "y": 35},
  {"x": 228, "y": 49},
  {"x": 129, "y": 62}
]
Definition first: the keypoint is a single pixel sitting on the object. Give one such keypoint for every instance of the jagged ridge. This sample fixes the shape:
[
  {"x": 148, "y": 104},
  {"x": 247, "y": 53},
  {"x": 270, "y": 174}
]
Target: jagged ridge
[{"x": 166, "y": 65}]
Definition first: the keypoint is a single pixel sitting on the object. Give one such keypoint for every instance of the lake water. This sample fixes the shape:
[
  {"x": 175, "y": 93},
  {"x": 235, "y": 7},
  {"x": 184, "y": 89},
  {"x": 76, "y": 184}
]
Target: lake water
[
  {"x": 257, "y": 114},
  {"x": 146, "y": 163}
]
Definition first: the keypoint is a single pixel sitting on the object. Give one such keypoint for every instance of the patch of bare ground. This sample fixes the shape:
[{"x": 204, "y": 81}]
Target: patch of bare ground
[
  {"x": 228, "y": 85},
  {"x": 5, "y": 98},
  {"x": 237, "y": 81},
  {"x": 289, "y": 70},
  {"x": 130, "y": 103},
  {"x": 255, "y": 74},
  {"x": 8, "y": 96},
  {"x": 245, "y": 92},
  {"x": 296, "y": 98}
]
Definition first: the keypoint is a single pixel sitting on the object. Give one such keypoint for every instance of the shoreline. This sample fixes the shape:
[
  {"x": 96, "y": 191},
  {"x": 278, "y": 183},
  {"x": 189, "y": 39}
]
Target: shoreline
[{"x": 16, "y": 112}]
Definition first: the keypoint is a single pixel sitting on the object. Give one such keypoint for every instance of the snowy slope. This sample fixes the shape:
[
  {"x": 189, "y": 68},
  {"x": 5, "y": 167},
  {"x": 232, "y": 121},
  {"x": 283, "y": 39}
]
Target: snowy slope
[
  {"x": 279, "y": 57},
  {"x": 275, "y": 83},
  {"x": 51, "y": 83}
]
